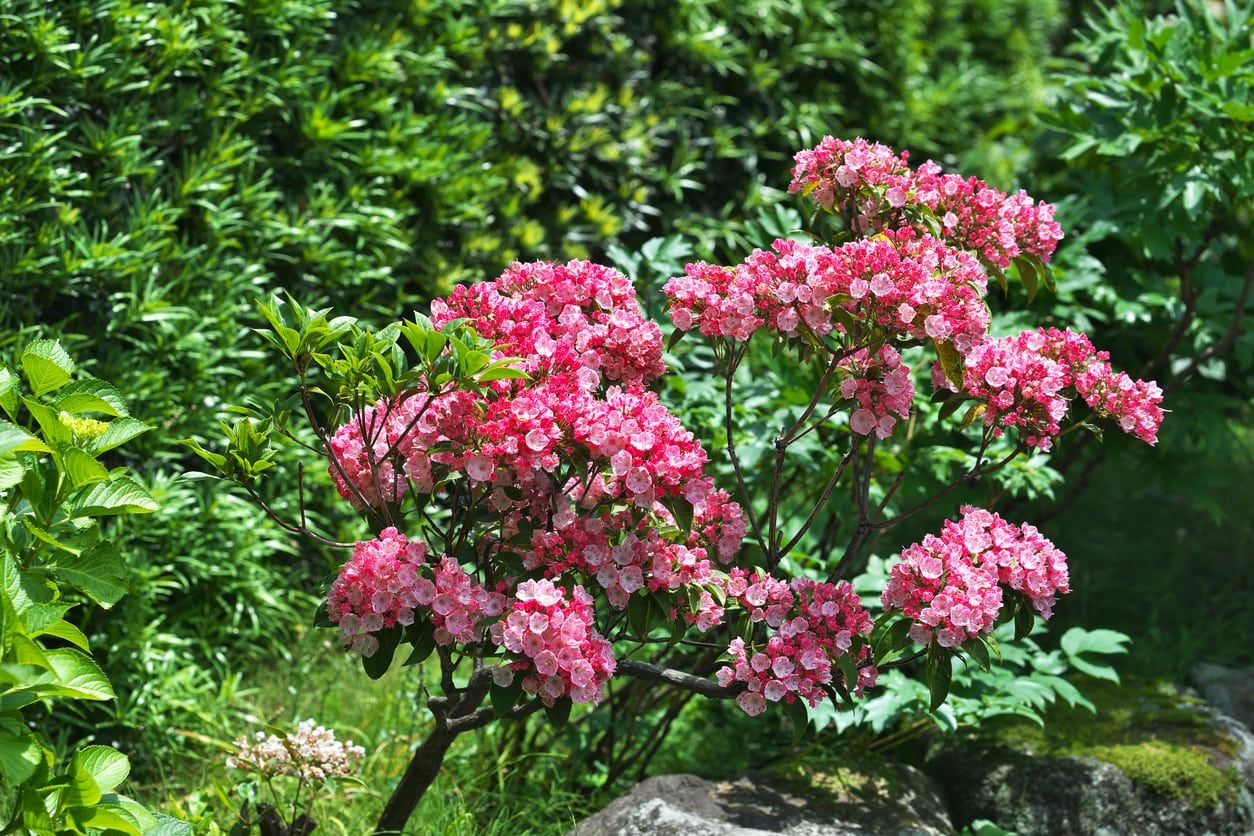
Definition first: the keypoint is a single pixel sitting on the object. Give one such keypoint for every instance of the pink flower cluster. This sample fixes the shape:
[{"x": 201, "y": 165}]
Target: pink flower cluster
[
  {"x": 913, "y": 286},
  {"x": 650, "y": 454},
  {"x": 383, "y": 583},
  {"x": 813, "y": 624},
  {"x": 882, "y": 388},
  {"x": 1026, "y": 381},
  {"x": 594, "y": 309},
  {"x": 880, "y": 191},
  {"x": 952, "y": 585},
  {"x": 564, "y": 655},
  {"x": 718, "y": 523}
]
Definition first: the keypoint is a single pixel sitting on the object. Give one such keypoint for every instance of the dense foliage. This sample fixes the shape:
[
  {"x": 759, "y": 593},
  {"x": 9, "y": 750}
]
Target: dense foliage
[
  {"x": 55, "y": 557},
  {"x": 166, "y": 163}
]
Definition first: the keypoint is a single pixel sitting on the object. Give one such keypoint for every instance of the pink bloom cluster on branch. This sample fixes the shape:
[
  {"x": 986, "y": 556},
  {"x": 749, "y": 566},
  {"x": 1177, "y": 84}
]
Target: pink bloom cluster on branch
[
  {"x": 564, "y": 654},
  {"x": 881, "y": 387},
  {"x": 952, "y": 585},
  {"x": 1028, "y": 381},
  {"x": 912, "y": 286},
  {"x": 878, "y": 190},
  {"x": 384, "y": 584},
  {"x": 812, "y": 625}
]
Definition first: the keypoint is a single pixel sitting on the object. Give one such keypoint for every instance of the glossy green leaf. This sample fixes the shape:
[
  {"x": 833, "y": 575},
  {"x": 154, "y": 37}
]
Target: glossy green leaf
[
  {"x": 120, "y": 496},
  {"x": 99, "y": 572},
  {"x": 46, "y": 366}
]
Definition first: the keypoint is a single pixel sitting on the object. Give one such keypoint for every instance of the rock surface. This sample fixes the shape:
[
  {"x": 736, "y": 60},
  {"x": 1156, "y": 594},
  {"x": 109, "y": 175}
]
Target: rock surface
[
  {"x": 902, "y": 801},
  {"x": 1151, "y": 762},
  {"x": 1230, "y": 690}
]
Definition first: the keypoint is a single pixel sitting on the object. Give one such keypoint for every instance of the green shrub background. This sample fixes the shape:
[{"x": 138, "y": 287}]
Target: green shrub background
[{"x": 164, "y": 164}]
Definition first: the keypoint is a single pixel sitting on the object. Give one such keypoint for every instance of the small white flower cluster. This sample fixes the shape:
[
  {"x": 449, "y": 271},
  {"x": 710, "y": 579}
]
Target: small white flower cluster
[{"x": 311, "y": 753}]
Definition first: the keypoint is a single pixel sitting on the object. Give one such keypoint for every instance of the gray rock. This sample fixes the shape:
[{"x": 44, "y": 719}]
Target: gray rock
[
  {"x": 899, "y": 800},
  {"x": 1231, "y": 690},
  {"x": 1151, "y": 762}
]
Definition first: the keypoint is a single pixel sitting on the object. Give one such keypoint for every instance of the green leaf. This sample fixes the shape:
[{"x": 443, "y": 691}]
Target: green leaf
[
  {"x": 1025, "y": 620},
  {"x": 49, "y": 420},
  {"x": 46, "y": 365},
  {"x": 67, "y": 632},
  {"x": 559, "y": 712},
  {"x": 682, "y": 510},
  {"x": 377, "y": 664},
  {"x": 1028, "y": 275},
  {"x": 81, "y": 468},
  {"x": 421, "y": 635},
  {"x": 849, "y": 670},
  {"x": 799, "y": 717},
  {"x": 1078, "y": 641},
  {"x": 167, "y": 826},
  {"x": 16, "y": 439},
  {"x": 119, "y": 431},
  {"x": 894, "y": 638},
  {"x": 20, "y": 755},
  {"x": 10, "y": 391},
  {"x": 505, "y": 697},
  {"x": 954, "y": 401},
  {"x": 99, "y": 572},
  {"x": 950, "y": 360},
  {"x": 79, "y": 675},
  {"x": 10, "y": 472},
  {"x": 121, "y": 496},
  {"x": 638, "y": 615},
  {"x": 977, "y": 650},
  {"x": 90, "y": 395},
  {"x": 82, "y": 789},
  {"x": 939, "y": 671},
  {"x": 502, "y": 373},
  {"x": 113, "y": 818},
  {"x": 106, "y": 765}
]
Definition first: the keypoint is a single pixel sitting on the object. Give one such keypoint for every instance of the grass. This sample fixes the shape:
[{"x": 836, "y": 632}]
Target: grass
[{"x": 481, "y": 791}]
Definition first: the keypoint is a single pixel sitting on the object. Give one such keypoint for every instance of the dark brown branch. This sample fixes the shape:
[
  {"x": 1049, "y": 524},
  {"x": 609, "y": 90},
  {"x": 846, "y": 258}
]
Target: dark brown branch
[
  {"x": 678, "y": 679},
  {"x": 293, "y": 527},
  {"x": 970, "y": 476},
  {"x": 818, "y": 506}
]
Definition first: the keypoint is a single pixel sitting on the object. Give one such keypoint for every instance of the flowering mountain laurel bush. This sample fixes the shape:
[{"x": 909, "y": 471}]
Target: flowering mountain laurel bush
[{"x": 546, "y": 524}]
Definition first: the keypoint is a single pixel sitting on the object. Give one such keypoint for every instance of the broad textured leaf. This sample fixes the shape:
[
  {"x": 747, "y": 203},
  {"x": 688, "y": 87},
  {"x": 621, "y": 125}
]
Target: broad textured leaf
[
  {"x": 15, "y": 439},
  {"x": 119, "y": 431},
  {"x": 167, "y": 826},
  {"x": 66, "y": 631},
  {"x": 99, "y": 572},
  {"x": 81, "y": 468},
  {"x": 46, "y": 365},
  {"x": 10, "y": 472},
  {"x": 90, "y": 395},
  {"x": 121, "y": 496},
  {"x": 10, "y": 391},
  {"x": 20, "y": 755},
  {"x": 113, "y": 818},
  {"x": 107, "y": 766},
  {"x": 78, "y": 673},
  {"x": 83, "y": 789}
]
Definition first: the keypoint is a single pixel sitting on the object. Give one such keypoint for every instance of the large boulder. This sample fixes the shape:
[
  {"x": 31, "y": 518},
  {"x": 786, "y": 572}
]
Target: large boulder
[
  {"x": 1231, "y": 690},
  {"x": 1151, "y": 761},
  {"x": 891, "y": 799}
]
